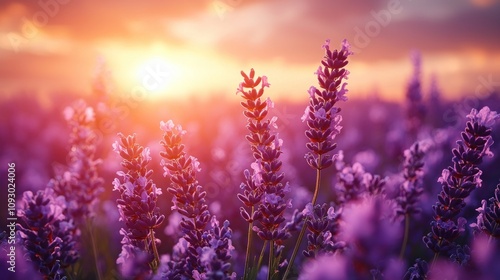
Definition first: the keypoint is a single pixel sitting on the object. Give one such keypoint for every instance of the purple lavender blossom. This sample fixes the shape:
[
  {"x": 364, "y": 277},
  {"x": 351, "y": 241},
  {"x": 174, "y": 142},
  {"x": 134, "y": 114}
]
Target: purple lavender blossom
[
  {"x": 412, "y": 187},
  {"x": 321, "y": 115},
  {"x": 488, "y": 220},
  {"x": 207, "y": 251},
  {"x": 418, "y": 271},
  {"x": 46, "y": 233},
  {"x": 370, "y": 235},
  {"x": 323, "y": 226},
  {"x": 133, "y": 261},
  {"x": 459, "y": 180},
  {"x": 323, "y": 119},
  {"x": 415, "y": 111},
  {"x": 263, "y": 189},
  {"x": 351, "y": 183},
  {"x": 79, "y": 182},
  {"x": 137, "y": 206}
]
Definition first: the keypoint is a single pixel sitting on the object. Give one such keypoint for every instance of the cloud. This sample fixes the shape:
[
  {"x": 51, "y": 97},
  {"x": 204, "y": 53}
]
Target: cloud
[
  {"x": 293, "y": 30},
  {"x": 280, "y": 34},
  {"x": 484, "y": 3}
]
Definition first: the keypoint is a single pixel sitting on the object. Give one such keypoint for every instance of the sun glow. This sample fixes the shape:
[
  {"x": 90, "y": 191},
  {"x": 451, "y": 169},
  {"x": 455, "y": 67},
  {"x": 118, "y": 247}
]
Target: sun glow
[
  {"x": 155, "y": 75},
  {"x": 152, "y": 70}
]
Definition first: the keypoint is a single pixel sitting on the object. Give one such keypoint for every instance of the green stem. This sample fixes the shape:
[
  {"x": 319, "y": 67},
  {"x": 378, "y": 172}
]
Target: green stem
[
  {"x": 249, "y": 247},
  {"x": 156, "y": 261},
  {"x": 270, "y": 270},
  {"x": 436, "y": 255},
  {"x": 303, "y": 230},
  {"x": 94, "y": 250},
  {"x": 261, "y": 257},
  {"x": 491, "y": 236},
  {"x": 252, "y": 271},
  {"x": 405, "y": 238}
]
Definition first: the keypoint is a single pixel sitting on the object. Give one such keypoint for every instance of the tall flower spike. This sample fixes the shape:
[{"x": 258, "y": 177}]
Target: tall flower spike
[
  {"x": 46, "y": 233},
  {"x": 459, "y": 180},
  {"x": 412, "y": 187},
  {"x": 79, "y": 182},
  {"x": 137, "y": 206},
  {"x": 263, "y": 189},
  {"x": 323, "y": 119},
  {"x": 321, "y": 115},
  {"x": 415, "y": 111},
  {"x": 207, "y": 250}
]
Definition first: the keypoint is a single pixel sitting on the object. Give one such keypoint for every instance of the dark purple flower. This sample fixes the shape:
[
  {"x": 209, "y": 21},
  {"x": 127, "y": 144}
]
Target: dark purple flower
[
  {"x": 418, "y": 271},
  {"x": 137, "y": 204},
  {"x": 459, "y": 180},
  {"x": 79, "y": 181},
  {"x": 263, "y": 189},
  {"x": 412, "y": 188},
  {"x": 351, "y": 183},
  {"x": 323, "y": 227},
  {"x": 133, "y": 261},
  {"x": 321, "y": 115},
  {"x": 415, "y": 110},
  {"x": 46, "y": 233},
  {"x": 323, "y": 119},
  {"x": 204, "y": 251},
  {"x": 488, "y": 220},
  {"x": 371, "y": 236}
]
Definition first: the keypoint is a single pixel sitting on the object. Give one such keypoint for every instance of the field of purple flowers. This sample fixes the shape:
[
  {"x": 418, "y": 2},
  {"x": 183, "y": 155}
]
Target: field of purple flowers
[{"x": 334, "y": 189}]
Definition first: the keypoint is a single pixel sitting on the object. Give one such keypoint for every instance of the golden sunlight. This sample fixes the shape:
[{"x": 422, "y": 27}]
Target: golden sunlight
[{"x": 155, "y": 75}]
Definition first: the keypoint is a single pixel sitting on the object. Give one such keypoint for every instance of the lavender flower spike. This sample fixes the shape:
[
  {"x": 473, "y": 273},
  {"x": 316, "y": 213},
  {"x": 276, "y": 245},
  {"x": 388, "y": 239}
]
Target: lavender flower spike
[
  {"x": 137, "y": 204},
  {"x": 323, "y": 119},
  {"x": 79, "y": 182},
  {"x": 46, "y": 233},
  {"x": 459, "y": 180},
  {"x": 263, "y": 190},
  {"x": 206, "y": 252},
  {"x": 321, "y": 115},
  {"x": 412, "y": 187}
]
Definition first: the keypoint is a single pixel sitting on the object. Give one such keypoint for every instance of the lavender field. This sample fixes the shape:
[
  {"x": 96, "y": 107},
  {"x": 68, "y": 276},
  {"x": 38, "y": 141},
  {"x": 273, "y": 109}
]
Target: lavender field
[{"x": 255, "y": 178}]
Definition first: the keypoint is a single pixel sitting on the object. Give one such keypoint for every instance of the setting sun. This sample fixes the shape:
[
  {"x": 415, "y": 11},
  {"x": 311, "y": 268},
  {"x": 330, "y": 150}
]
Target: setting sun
[{"x": 155, "y": 75}]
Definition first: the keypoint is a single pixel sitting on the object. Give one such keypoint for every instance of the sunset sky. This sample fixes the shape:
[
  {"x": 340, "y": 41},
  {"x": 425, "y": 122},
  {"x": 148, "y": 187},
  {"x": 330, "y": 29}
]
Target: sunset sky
[{"x": 198, "y": 47}]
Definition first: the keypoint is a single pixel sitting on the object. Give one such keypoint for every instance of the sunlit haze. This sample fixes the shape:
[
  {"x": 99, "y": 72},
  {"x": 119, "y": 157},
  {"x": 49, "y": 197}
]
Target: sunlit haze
[{"x": 175, "y": 49}]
